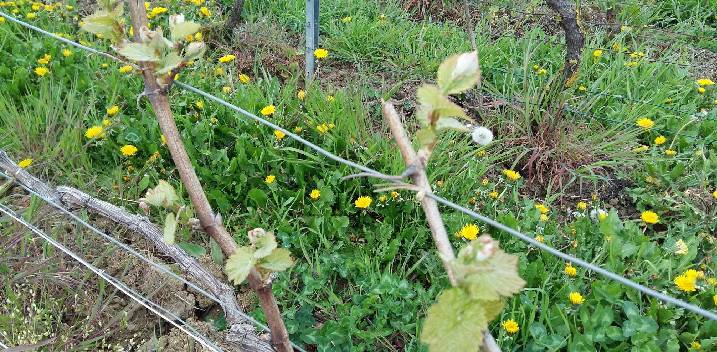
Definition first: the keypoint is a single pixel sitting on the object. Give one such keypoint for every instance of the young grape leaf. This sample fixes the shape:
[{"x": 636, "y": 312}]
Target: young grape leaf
[
  {"x": 264, "y": 245},
  {"x": 449, "y": 123},
  {"x": 239, "y": 264},
  {"x": 168, "y": 63},
  {"x": 138, "y": 52},
  {"x": 162, "y": 195},
  {"x": 170, "y": 228},
  {"x": 492, "y": 278},
  {"x": 278, "y": 260},
  {"x": 194, "y": 250},
  {"x": 430, "y": 96},
  {"x": 183, "y": 29},
  {"x": 459, "y": 73},
  {"x": 454, "y": 323}
]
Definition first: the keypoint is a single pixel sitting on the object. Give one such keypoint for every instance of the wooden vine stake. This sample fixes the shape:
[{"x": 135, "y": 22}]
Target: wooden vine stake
[
  {"x": 210, "y": 222},
  {"x": 482, "y": 275}
]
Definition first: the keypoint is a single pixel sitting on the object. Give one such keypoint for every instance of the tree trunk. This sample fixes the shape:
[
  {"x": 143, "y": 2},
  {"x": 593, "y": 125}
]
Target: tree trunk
[
  {"x": 574, "y": 39},
  {"x": 234, "y": 16}
]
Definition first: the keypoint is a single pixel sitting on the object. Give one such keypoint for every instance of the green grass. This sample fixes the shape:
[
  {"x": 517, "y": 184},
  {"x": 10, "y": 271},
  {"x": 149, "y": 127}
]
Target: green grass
[{"x": 364, "y": 278}]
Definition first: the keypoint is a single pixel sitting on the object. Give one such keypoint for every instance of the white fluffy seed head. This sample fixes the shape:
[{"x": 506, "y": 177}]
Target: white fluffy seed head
[{"x": 482, "y": 135}]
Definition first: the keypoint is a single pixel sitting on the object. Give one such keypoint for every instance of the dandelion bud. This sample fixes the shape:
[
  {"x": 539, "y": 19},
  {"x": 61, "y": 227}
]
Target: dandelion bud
[{"x": 482, "y": 135}]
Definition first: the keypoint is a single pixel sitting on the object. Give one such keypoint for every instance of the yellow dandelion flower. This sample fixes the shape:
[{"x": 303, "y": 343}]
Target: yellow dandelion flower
[
  {"x": 695, "y": 345},
  {"x": 704, "y": 82},
  {"x": 298, "y": 129},
  {"x": 205, "y": 12},
  {"x": 199, "y": 104},
  {"x": 226, "y": 89},
  {"x": 512, "y": 175},
  {"x": 106, "y": 122},
  {"x": 510, "y": 326},
  {"x": 163, "y": 139},
  {"x": 244, "y": 78},
  {"x": 67, "y": 53},
  {"x": 701, "y": 90},
  {"x": 128, "y": 150},
  {"x": 321, "y": 53},
  {"x": 542, "y": 208},
  {"x": 597, "y": 53},
  {"x": 31, "y": 16},
  {"x": 25, "y": 163},
  {"x": 227, "y": 58},
  {"x": 269, "y": 179},
  {"x": 670, "y": 152},
  {"x": 322, "y": 128},
  {"x": 576, "y": 298},
  {"x": 125, "y": 69},
  {"x": 346, "y": 19},
  {"x": 582, "y": 88},
  {"x": 540, "y": 238},
  {"x": 219, "y": 71},
  {"x": 543, "y": 218},
  {"x": 113, "y": 110},
  {"x": 686, "y": 283},
  {"x": 315, "y": 194},
  {"x": 394, "y": 194},
  {"x": 582, "y": 205},
  {"x": 493, "y": 194},
  {"x": 570, "y": 270},
  {"x": 95, "y": 132},
  {"x": 363, "y": 202},
  {"x": 650, "y": 217},
  {"x": 301, "y": 94},
  {"x": 330, "y": 98},
  {"x": 41, "y": 71},
  {"x": 279, "y": 135},
  {"x": 268, "y": 110},
  {"x": 645, "y": 123},
  {"x": 382, "y": 198},
  {"x": 469, "y": 232},
  {"x": 659, "y": 140}
]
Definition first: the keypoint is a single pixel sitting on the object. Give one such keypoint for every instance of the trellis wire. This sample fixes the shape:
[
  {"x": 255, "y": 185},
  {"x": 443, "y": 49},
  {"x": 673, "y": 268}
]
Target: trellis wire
[
  {"x": 153, "y": 307},
  {"x": 131, "y": 250},
  {"x": 648, "y": 291}
]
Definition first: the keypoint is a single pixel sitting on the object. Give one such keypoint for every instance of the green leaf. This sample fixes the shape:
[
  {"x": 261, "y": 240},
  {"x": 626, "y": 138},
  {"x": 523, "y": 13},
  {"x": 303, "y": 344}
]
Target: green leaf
[
  {"x": 430, "y": 96},
  {"x": 258, "y": 196},
  {"x": 170, "y": 228},
  {"x": 489, "y": 279},
  {"x": 162, "y": 195},
  {"x": 138, "y": 52},
  {"x": 183, "y": 29},
  {"x": 454, "y": 323},
  {"x": 194, "y": 50},
  {"x": 264, "y": 245},
  {"x": 194, "y": 250},
  {"x": 278, "y": 260},
  {"x": 459, "y": 73},
  {"x": 239, "y": 264},
  {"x": 216, "y": 252},
  {"x": 168, "y": 63},
  {"x": 101, "y": 22},
  {"x": 449, "y": 123},
  {"x": 425, "y": 136}
]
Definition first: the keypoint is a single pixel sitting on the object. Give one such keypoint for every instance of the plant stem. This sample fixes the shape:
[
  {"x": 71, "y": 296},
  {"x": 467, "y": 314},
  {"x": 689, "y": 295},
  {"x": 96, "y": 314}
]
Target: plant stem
[
  {"x": 429, "y": 205},
  {"x": 209, "y": 221}
]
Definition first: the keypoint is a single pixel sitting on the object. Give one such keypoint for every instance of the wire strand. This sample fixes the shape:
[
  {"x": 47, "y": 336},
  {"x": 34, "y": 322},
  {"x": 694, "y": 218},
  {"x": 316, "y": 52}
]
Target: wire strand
[
  {"x": 153, "y": 307},
  {"x": 606, "y": 273},
  {"x": 134, "y": 252}
]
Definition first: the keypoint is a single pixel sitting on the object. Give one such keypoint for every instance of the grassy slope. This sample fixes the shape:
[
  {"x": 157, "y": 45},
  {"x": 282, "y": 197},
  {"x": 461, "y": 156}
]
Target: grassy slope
[{"x": 364, "y": 278}]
